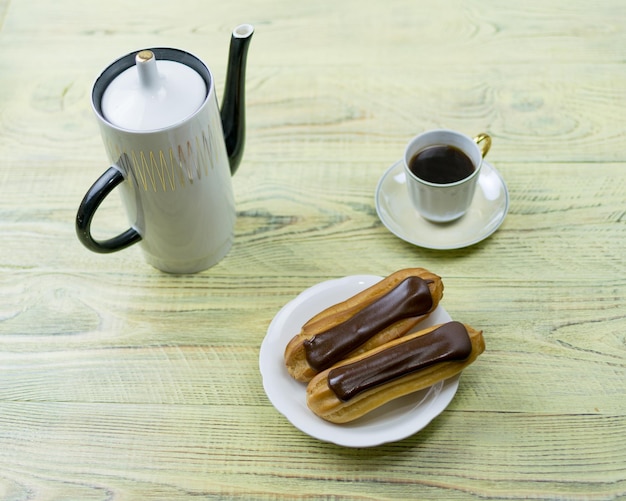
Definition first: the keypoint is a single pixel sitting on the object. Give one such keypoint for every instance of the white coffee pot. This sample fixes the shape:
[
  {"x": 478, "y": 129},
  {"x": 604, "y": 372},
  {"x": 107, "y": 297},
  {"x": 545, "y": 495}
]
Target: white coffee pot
[{"x": 172, "y": 152}]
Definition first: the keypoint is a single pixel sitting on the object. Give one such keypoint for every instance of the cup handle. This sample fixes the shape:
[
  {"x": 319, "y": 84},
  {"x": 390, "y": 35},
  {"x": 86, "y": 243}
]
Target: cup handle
[
  {"x": 483, "y": 140},
  {"x": 105, "y": 184}
]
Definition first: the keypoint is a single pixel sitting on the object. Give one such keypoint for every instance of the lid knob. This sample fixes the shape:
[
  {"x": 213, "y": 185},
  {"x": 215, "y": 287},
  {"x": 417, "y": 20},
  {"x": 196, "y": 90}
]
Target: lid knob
[{"x": 147, "y": 69}]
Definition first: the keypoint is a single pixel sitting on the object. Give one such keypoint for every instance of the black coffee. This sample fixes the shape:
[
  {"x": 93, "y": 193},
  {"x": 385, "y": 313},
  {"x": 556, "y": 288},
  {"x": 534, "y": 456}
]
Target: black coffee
[{"x": 441, "y": 164}]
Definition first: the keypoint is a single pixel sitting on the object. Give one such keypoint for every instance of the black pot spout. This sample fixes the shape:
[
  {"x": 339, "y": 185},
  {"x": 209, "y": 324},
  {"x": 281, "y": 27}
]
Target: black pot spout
[{"x": 233, "y": 111}]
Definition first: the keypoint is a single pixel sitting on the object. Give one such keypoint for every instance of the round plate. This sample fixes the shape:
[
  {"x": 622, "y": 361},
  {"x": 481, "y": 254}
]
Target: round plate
[
  {"x": 393, "y": 421},
  {"x": 485, "y": 215}
]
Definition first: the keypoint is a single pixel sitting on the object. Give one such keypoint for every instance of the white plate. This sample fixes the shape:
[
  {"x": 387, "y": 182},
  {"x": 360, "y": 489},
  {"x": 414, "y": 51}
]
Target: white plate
[
  {"x": 487, "y": 212},
  {"x": 393, "y": 421}
]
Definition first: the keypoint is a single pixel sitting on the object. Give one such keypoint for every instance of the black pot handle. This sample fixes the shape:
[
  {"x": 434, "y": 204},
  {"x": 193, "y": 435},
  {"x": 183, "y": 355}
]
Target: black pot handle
[{"x": 87, "y": 209}]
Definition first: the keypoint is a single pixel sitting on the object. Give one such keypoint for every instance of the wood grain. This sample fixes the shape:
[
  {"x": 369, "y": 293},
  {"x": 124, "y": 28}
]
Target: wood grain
[{"x": 121, "y": 382}]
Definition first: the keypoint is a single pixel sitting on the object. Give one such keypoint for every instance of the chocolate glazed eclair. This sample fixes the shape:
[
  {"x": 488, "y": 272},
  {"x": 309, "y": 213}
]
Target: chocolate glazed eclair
[
  {"x": 358, "y": 385},
  {"x": 383, "y": 312}
]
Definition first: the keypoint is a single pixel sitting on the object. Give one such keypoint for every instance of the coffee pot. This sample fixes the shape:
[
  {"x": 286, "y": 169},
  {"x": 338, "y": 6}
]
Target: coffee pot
[{"x": 172, "y": 152}]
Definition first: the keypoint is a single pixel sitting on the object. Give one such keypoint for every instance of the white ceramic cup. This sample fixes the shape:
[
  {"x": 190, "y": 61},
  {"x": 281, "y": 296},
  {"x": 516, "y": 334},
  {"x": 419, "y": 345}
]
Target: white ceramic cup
[{"x": 444, "y": 202}]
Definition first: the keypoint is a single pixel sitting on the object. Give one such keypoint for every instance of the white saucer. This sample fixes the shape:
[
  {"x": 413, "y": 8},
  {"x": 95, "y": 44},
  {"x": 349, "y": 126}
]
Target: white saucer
[
  {"x": 393, "y": 421},
  {"x": 485, "y": 215}
]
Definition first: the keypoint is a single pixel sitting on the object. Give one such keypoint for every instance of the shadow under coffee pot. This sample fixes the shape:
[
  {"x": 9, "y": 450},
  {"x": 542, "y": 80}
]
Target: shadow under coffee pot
[{"x": 172, "y": 152}]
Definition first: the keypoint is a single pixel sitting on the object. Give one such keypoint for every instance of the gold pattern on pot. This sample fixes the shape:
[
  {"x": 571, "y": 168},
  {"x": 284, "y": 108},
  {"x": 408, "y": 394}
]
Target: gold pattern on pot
[{"x": 168, "y": 170}]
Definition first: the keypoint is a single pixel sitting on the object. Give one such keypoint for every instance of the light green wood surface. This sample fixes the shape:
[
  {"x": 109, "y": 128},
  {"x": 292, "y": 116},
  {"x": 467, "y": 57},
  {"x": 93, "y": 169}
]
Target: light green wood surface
[{"x": 121, "y": 382}]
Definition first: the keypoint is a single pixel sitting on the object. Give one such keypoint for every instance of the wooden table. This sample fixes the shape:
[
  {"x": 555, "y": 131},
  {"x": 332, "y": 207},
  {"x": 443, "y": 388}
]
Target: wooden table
[{"x": 121, "y": 382}]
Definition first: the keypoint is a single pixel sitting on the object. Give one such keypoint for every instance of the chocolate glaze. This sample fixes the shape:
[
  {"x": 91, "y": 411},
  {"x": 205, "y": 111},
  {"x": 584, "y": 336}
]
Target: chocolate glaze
[
  {"x": 446, "y": 343},
  {"x": 409, "y": 298}
]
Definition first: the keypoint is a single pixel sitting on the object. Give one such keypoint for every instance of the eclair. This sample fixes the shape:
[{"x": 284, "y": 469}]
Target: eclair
[
  {"x": 356, "y": 386},
  {"x": 385, "y": 311}
]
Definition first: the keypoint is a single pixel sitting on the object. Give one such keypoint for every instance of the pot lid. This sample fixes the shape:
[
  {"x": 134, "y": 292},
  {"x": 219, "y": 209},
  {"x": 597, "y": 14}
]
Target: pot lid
[{"x": 153, "y": 94}]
